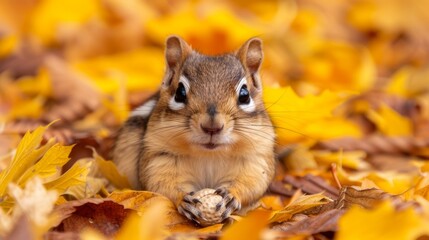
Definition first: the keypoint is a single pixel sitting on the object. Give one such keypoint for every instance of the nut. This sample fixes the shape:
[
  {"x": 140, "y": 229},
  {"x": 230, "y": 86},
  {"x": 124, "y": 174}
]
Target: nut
[{"x": 209, "y": 199}]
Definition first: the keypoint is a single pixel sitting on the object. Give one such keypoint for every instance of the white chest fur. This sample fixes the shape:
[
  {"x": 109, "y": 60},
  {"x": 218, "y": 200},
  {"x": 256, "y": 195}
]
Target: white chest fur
[
  {"x": 192, "y": 173},
  {"x": 219, "y": 171}
]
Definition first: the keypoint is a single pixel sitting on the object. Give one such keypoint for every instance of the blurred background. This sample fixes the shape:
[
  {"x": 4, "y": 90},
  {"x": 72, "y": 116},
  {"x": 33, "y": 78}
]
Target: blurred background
[{"x": 88, "y": 62}]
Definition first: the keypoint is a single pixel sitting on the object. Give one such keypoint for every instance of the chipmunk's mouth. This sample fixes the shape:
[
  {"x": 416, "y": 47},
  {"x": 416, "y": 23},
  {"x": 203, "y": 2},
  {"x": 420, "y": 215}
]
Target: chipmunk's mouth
[{"x": 211, "y": 145}]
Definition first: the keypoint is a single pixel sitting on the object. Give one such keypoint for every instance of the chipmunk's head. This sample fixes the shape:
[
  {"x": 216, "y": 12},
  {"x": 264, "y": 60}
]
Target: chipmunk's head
[{"x": 212, "y": 103}]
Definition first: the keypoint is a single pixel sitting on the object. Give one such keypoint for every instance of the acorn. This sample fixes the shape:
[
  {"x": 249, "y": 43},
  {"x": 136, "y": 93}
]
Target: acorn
[{"x": 207, "y": 206}]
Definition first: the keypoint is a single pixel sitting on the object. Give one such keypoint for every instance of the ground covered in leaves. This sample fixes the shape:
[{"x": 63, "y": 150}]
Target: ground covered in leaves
[{"x": 346, "y": 85}]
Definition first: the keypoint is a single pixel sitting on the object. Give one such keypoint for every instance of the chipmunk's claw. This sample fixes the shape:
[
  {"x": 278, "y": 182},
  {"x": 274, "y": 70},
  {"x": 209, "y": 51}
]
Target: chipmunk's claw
[
  {"x": 190, "y": 199},
  {"x": 187, "y": 208},
  {"x": 190, "y": 212},
  {"x": 231, "y": 203}
]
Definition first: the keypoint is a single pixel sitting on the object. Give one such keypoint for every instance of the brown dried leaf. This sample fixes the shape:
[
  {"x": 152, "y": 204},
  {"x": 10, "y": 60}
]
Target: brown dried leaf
[
  {"x": 65, "y": 210},
  {"x": 366, "y": 198},
  {"x": 311, "y": 184},
  {"x": 142, "y": 200},
  {"x": 75, "y": 96},
  {"x": 278, "y": 187},
  {"x": 376, "y": 144},
  {"x": 325, "y": 222},
  {"x": 25, "y": 62},
  {"x": 397, "y": 163},
  {"x": 105, "y": 216},
  {"x": 376, "y": 99}
]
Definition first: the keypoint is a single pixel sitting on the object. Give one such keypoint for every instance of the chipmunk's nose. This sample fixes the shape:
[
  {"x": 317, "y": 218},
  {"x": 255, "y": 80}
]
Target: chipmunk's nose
[{"x": 211, "y": 129}]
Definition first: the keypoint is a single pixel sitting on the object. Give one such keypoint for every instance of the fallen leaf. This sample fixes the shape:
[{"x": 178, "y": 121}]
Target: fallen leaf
[
  {"x": 105, "y": 216},
  {"x": 90, "y": 189},
  {"x": 48, "y": 18},
  {"x": 390, "y": 122},
  {"x": 366, "y": 198},
  {"x": 301, "y": 204},
  {"x": 349, "y": 159},
  {"x": 150, "y": 225},
  {"x": 49, "y": 165},
  {"x": 324, "y": 222},
  {"x": 391, "y": 162},
  {"x": 27, "y": 153},
  {"x": 108, "y": 170},
  {"x": 76, "y": 175},
  {"x": 306, "y": 118},
  {"x": 256, "y": 220},
  {"x": 376, "y": 144},
  {"x": 311, "y": 184},
  {"x": 299, "y": 158},
  {"x": 8, "y": 45},
  {"x": 384, "y": 222},
  {"x": 70, "y": 105}
]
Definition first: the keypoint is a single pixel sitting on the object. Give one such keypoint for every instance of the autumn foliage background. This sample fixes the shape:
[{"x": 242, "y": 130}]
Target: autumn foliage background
[{"x": 346, "y": 84}]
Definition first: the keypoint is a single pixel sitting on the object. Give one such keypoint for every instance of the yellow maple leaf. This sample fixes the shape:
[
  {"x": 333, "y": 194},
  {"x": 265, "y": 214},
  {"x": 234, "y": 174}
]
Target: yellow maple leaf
[
  {"x": 76, "y": 175},
  {"x": 91, "y": 187},
  {"x": 308, "y": 118},
  {"x": 39, "y": 85},
  {"x": 149, "y": 225},
  {"x": 256, "y": 221},
  {"x": 215, "y": 30},
  {"x": 389, "y": 15},
  {"x": 350, "y": 159},
  {"x": 388, "y": 181},
  {"x": 389, "y": 122},
  {"x": 27, "y": 153},
  {"x": 329, "y": 63},
  {"x": 300, "y": 204},
  {"x": 45, "y": 162},
  {"x": 108, "y": 170},
  {"x": 140, "y": 70},
  {"x": 49, "y": 16},
  {"x": 398, "y": 83},
  {"x": 383, "y": 222},
  {"x": 8, "y": 45},
  {"x": 49, "y": 165},
  {"x": 25, "y": 108},
  {"x": 409, "y": 82}
]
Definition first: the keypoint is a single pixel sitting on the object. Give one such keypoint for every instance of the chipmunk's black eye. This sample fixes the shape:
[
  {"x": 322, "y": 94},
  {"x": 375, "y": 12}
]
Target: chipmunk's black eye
[
  {"x": 180, "y": 96},
  {"x": 243, "y": 95}
]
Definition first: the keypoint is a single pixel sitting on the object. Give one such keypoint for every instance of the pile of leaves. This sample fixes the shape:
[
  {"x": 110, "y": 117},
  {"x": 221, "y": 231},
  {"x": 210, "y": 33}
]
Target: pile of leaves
[{"x": 346, "y": 84}]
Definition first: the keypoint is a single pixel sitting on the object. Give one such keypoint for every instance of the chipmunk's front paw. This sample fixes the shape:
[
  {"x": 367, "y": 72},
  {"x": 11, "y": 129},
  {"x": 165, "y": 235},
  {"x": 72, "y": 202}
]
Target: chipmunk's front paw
[
  {"x": 187, "y": 208},
  {"x": 231, "y": 203}
]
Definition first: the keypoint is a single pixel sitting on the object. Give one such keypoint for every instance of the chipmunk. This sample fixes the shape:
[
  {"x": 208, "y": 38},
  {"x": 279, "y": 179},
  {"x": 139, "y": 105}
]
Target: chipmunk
[{"x": 207, "y": 127}]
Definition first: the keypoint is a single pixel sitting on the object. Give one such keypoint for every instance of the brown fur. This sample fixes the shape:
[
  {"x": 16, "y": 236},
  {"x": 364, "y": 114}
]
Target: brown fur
[{"x": 165, "y": 156}]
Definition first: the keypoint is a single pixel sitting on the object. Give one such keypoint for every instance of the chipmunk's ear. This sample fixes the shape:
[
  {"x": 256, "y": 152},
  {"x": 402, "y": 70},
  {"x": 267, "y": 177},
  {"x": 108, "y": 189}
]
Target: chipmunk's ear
[
  {"x": 251, "y": 54},
  {"x": 176, "y": 51}
]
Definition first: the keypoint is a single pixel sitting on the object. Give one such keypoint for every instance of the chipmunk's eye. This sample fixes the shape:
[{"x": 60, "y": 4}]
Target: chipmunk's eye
[
  {"x": 180, "y": 95},
  {"x": 243, "y": 95}
]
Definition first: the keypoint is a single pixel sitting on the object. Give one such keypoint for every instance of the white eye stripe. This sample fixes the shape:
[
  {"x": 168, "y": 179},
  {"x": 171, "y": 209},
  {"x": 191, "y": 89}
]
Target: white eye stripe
[
  {"x": 172, "y": 104},
  {"x": 242, "y": 82},
  {"x": 144, "y": 110},
  {"x": 250, "y": 107},
  {"x": 185, "y": 82}
]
